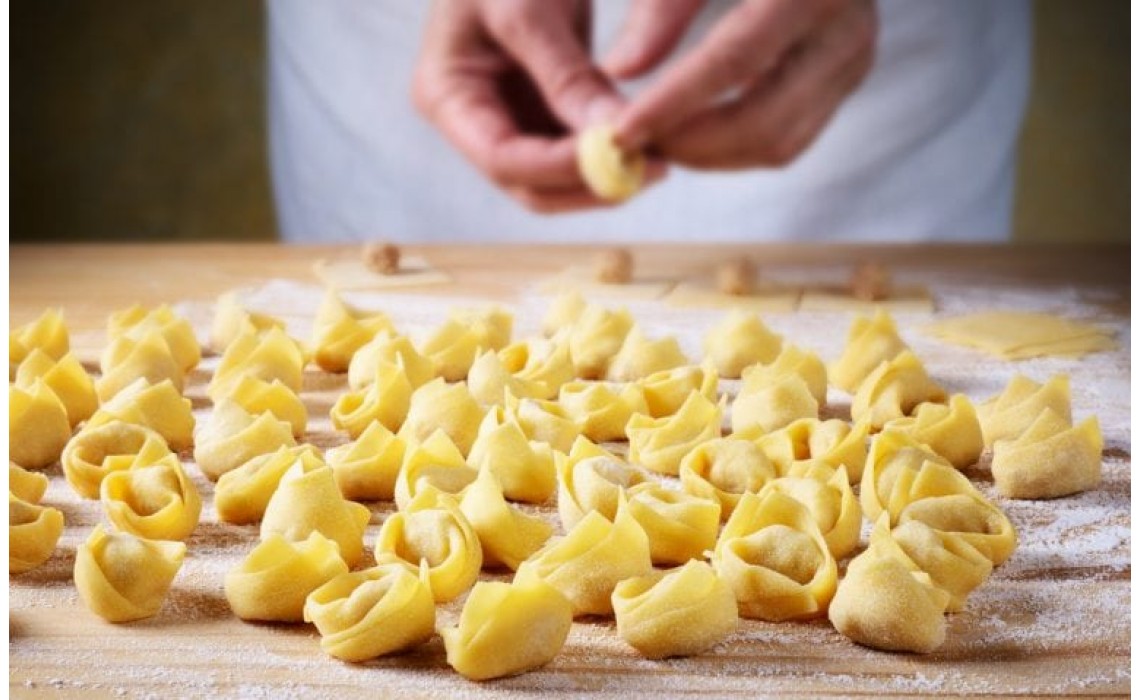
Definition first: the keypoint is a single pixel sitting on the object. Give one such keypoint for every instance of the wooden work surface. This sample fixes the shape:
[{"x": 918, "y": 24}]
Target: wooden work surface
[{"x": 1054, "y": 620}]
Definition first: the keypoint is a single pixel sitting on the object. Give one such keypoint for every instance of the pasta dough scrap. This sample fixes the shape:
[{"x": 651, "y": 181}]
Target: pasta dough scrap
[
  {"x": 33, "y": 531},
  {"x": 832, "y": 503},
  {"x": 447, "y": 407},
  {"x": 602, "y": 412},
  {"x": 507, "y": 535},
  {"x": 130, "y": 357},
  {"x": 257, "y": 396},
  {"x": 339, "y": 330},
  {"x": 365, "y": 614},
  {"x": 1018, "y": 335},
  {"x": 682, "y": 612},
  {"x": 870, "y": 342},
  {"x": 507, "y": 629},
  {"x": 48, "y": 333},
  {"x": 611, "y": 174},
  {"x": 66, "y": 378},
  {"x": 679, "y": 525},
  {"x": 308, "y": 501},
  {"x": 1007, "y": 415},
  {"x": 640, "y": 357},
  {"x": 99, "y": 450},
  {"x": 159, "y": 407},
  {"x": 544, "y": 421},
  {"x": 1050, "y": 459},
  {"x": 241, "y": 494},
  {"x": 231, "y": 436},
  {"x": 665, "y": 392},
  {"x": 156, "y": 501},
  {"x": 596, "y": 337},
  {"x": 232, "y": 320},
  {"x": 832, "y": 441},
  {"x": 137, "y": 321},
  {"x": 273, "y": 581},
  {"x": 951, "y": 430},
  {"x": 784, "y": 401},
  {"x": 524, "y": 469},
  {"x": 738, "y": 341},
  {"x": 893, "y": 390},
  {"x": 25, "y": 485},
  {"x": 435, "y": 463},
  {"x": 38, "y": 428},
  {"x": 592, "y": 479},
  {"x": 121, "y": 577},
  {"x": 588, "y": 562},
  {"x": 661, "y": 443},
  {"x": 388, "y": 400},
  {"x": 366, "y": 468},
  {"x": 267, "y": 355},
  {"x": 724, "y": 469},
  {"x": 791, "y": 361},
  {"x": 386, "y": 348}
]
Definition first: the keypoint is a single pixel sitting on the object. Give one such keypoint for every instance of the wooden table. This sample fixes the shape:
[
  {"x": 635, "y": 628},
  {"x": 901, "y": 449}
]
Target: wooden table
[{"x": 1054, "y": 620}]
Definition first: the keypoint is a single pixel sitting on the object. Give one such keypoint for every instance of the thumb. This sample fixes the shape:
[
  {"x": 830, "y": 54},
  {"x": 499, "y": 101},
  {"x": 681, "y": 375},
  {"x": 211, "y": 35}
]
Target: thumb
[{"x": 651, "y": 30}]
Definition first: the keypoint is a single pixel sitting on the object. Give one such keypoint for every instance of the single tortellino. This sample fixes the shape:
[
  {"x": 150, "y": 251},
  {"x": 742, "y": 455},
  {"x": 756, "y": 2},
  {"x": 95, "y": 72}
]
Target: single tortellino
[
  {"x": 665, "y": 392},
  {"x": 366, "y": 468},
  {"x": 231, "y": 436},
  {"x": 894, "y": 390},
  {"x": 596, "y": 337},
  {"x": 452, "y": 348},
  {"x": 365, "y": 614},
  {"x": 339, "y": 330},
  {"x": 901, "y": 470},
  {"x": 387, "y": 399},
  {"x": 67, "y": 380},
  {"x": 563, "y": 311},
  {"x": 241, "y": 494},
  {"x": 679, "y": 525},
  {"x": 38, "y": 428},
  {"x": 592, "y": 479},
  {"x": 544, "y": 421},
  {"x": 257, "y": 396},
  {"x": 138, "y": 320},
  {"x": 781, "y": 403},
  {"x": 640, "y": 357},
  {"x": 600, "y": 411},
  {"x": 273, "y": 581},
  {"x": 489, "y": 378},
  {"x": 969, "y": 516},
  {"x": 386, "y": 348},
  {"x": 507, "y": 628},
  {"x": 27, "y": 486},
  {"x": 159, "y": 407},
  {"x": 791, "y": 361},
  {"x": 492, "y": 325},
  {"x": 883, "y": 604},
  {"x": 97, "y": 451},
  {"x": 833, "y": 505},
  {"x": 833, "y": 441},
  {"x": 308, "y": 501},
  {"x": 525, "y": 469},
  {"x": 267, "y": 355},
  {"x": 1009, "y": 414},
  {"x": 128, "y": 358},
  {"x": 738, "y": 341},
  {"x": 1050, "y": 459},
  {"x": 870, "y": 342},
  {"x": 47, "y": 333},
  {"x": 661, "y": 443},
  {"x": 950, "y": 429},
  {"x": 545, "y": 364},
  {"x": 682, "y": 612},
  {"x": 121, "y": 577},
  {"x": 156, "y": 501},
  {"x": 435, "y": 463},
  {"x": 590, "y": 560},
  {"x": 447, "y": 407},
  {"x": 33, "y": 531},
  {"x": 434, "y": 534},
  {"x": 232, "y": 320},
  {"x": 775, "y": 559},
  {"x": 507, "y": 535},
  {"x": 724, "y": 469},
  {"x": 611, "y": 173}
]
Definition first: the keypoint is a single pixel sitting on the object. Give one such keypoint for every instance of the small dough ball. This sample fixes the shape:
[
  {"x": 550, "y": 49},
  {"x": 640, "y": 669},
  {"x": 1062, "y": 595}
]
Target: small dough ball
[
  {"x": 736, "y": 277},
  {"x": 871, "y": 281},
  {"x": 614, "y": 266},
  {"x": 382, "y": 257},
  {"x": 611, "y": 174}
]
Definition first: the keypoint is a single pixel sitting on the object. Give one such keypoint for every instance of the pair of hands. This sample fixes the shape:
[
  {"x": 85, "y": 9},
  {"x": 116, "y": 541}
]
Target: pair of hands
[{"x": 511, "y": 82}]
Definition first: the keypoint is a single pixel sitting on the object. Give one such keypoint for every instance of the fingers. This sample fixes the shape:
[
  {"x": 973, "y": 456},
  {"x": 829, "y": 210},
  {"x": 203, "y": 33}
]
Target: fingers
[
  {"x": 651, "y": 30},
  {"x": 571, "y": 199}
]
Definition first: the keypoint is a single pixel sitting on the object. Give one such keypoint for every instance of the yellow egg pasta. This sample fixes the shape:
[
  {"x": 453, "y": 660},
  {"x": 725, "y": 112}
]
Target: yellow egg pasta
[
  {"x": 121, "y": 577},
  {"x": 1051, "y": 458},
  {"x": 33, "y": 531},
  {"x": 138, "y": 320},
  {"x": 231, "y": 436},
  {"x": 257, "y": 396},
  {"x": 524, "y": 469},
  {"x": 952, "y": 430},
  {"x": 267, "y": 355},
  {"x": 155, "y": 501},
  {"x": 308, "y": 501},
  {"x": 738, "y": 341},
  {"x": 639, "y": 357},
  {"x": 969, "y": 516},
  {"x": 1008, "y": 415},
  {"x": 507, "y": 535},
  {"x": 893, "y": 390},
  {"x": 600, "y": 411},
  {"x": 447, "y": 407},
  {"x": 833, "y": 505},
  {"x": 387, "y": 399},
  {"x": 834, "y": 441},
  {"x": 386, "y": 348},
  {"x": 870, "y": 342},
  {"x": 679, "y": 525},
  {"x": 25, "y": 485},
  {"x": 232, "y": 320},
  {"x": 241, "y": 494},
  {"x": 435, "y": 463},
  {"x": 665, "y": 392},
  {"x": 791, "y": 361},
  {"x": 67, "y": 380},
  {"x": 661, "y": 443},
  {"x": 452, "y": 349},
  {"x": 544, "y": 421},
  {"x": 339, "y": 330},
  {"x": 48, "y": 333},
  {"x": 592, "y": 479},
  {"x": 366, "y": 468},
  {"x": 723, "y": 469},
  {"x": 563, "y": 311},
  {"x": 159, "y": 407},
  {"x": 596, "y": 336},
  {"x": 272, "y": 582},
  {"x": 38, "y": 428},
  {"x": 610, "y": 173},
  {"x": 99, "y": 450},
  {"x": 128, "y": 358},
  {"x": 774, "y": 406}
]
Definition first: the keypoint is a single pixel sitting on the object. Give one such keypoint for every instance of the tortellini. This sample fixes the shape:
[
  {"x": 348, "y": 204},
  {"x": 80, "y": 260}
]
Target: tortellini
[
  {"x": 48, "y": 333},
  {"x": 387, "y": 400},
  {"x": 386, "y": 348},
  {"x": 232, "y": 320},
  {"x": 434, "y": 534},
  {"x": 723, "y": 469},
  {"x": 786, "y": 400},
  {"x": 507, "y": 628},
  {"x": 447, "y": 407},
  {"x": 590, "y": 560},
  {"x": 525, "y": 469},
  {"x": 138, "y": 320},
  {"x": 738, "y": 341},
  {"x": 340, "y": 330},
  {"x": 1050, "y": 459},
  {"x": 366, "y": 469},
  {"x": 951, "y": 430},
  {"x": 122, "y": 578},
  {"x": 272, "y": 582},
  {"x": 544, "y": 421},
  {"x": 833, "y": 505},
  {"x": 33, "y": 531},
  {"x": 596, "y": 336},
  {"x": 970, "y": 516},
  {"x": 833, "y": 441},
  {"x": 130, "y": 357},
  {"x": 640, "y": 357},
  {"x": 257, "y": 396},
  {"x": 232, "y": 436},
  {"x": 38, "y": 428},
  {"x": 490, "y": 325},
  {"x": 893, "y": 390},
  {"x": 791, "y": 361},
  {"x": 25, "y": 485},
  {"x": 507, "y": 535},
  {"x": 308, "y": 501},
  {"x": 452, "y": 348},
  {"x": 592, "y": 479},
  {"x": 661, "y": 443},
  {"x": 665, "y": 392},
  {"x": 241, "y": 494},
  {"x": 67, "y": 380},
  {"x": 159, "y": 407},
  {"x": 155, "y": 501},
  {"x": 1008, "y": 415},
  {"x": 870, "y": 342},
  {"x": 365, "y": 614},
  {"x": 775, "y": 559},
  {"x": 435, "y": 463},
  {"x": 675, "y": 613},
  {"x": 679, "y": 525},
  {"x": 544, "y": 364},
  {"x": 100, "y": 450},
  {"x": 600, "y": 411},
  {"x": 611, "y": 173},
  {"x": 563, "y": 311},
  {"x": 488, "y": 378},
  {"x": 268, "y": 355}
]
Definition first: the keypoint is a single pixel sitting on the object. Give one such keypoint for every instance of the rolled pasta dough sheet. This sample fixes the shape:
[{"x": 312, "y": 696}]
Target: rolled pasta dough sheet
[
  {"x": 770, "y": 298},
  {"x": 1015, "y": 335},
  {"x": 581, "y": 279},
  {"x": 352, "y": 273}
]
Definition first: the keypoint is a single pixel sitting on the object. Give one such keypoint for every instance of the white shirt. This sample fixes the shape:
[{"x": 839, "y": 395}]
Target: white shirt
[{"x": 923, "y": 150}]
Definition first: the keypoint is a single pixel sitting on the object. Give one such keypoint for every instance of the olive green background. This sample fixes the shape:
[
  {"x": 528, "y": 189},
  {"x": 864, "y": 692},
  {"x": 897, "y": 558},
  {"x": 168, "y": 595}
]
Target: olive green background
[{"x": 145, "y": 120}]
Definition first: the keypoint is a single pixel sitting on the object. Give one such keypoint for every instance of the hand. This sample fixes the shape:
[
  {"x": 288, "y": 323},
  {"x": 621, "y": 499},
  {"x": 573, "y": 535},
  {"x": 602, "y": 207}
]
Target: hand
[
  {"x": 508, "y": 82},
  {"x": 756, "y": 90}
]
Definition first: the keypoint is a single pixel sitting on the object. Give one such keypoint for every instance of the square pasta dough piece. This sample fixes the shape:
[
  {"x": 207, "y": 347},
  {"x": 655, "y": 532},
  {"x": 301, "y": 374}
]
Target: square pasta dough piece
[
  {"x": 581, "y": 279},
  {"x": 766, "y": 298},
  {"x": 352, "y": 273},
  {"x": 912, "y": 299},
  {"x": 1020, "y": 335}
]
